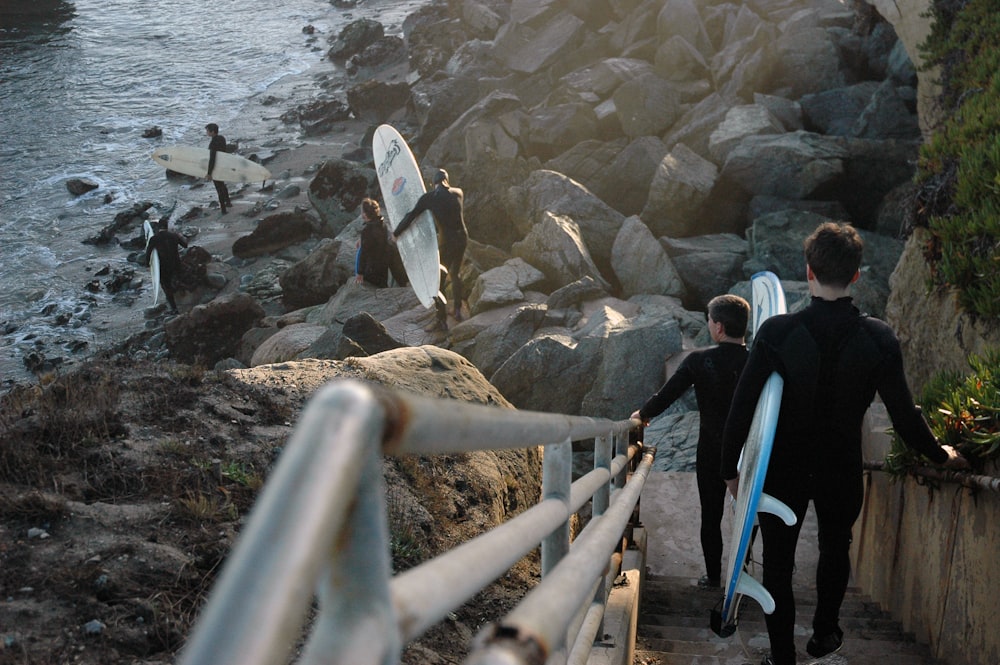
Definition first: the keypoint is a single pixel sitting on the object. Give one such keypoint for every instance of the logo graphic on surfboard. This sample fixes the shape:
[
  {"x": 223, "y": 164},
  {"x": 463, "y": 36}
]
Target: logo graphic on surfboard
[
  {"x": 768, "y": 300},
  {"x": 402, "y": 186}
]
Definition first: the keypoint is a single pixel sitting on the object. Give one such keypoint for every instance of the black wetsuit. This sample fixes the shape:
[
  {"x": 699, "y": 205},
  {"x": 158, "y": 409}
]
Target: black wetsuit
[
  {"x": 374, "y": 254},
  {"x": 446, "y": 205},
  {"x": 833, "y": 360},
  {"x": 713, "y": 373},
  {"x": 217, "y": 144},
  {"x": 167, "y": 244}
]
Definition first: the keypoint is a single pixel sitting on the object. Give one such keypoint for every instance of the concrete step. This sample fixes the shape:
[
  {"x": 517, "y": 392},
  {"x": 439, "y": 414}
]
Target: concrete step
[{"x": 674, "y": 630}]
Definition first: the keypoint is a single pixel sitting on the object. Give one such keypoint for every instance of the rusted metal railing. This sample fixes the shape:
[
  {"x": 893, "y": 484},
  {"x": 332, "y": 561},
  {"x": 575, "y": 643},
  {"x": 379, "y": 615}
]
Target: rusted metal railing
[{"x": 319, "y": 531}]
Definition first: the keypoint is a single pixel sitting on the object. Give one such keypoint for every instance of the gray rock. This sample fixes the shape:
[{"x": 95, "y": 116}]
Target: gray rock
[
  {"x": 286, "y": 344},
  {"x": 647, "y": 105},
  {"x": 571, "y": 295},
  {"x": 641, "y": 264},
  {"x": 210, "y": 332},
  {"x": 449, "y": 145},
  {"x": 354, "y": 298},
  {"x": 552, "y": 372},
  {"x": 741, "y": 121},
  {"x": 556, "y": 247},
  {"x": 314, "y": 279},
  {"x": 680, "y": 187},
  {"x": 494, "y": 345},
  {"x": 337, "y": 189},
  {"x": 886, "y": 116},
  {"x": 836, "y": 111},
  {"x": 503, "y": 285},
  {"x": 790, "y": 166},
  {"x": 677, "y": 60},
  {"x": 696, "y": 126},
  {"x": 708, "y": 265},
  {"x": 527, "y": 49}
]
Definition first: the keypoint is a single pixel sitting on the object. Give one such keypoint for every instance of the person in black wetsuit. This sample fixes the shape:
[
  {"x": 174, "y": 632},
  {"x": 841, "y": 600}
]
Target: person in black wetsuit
[
  {"x": 373, "y": 250},
  {"x": 167, "y": 244},
  {"x": 833, "y": 360},
  {"x": 217, "y": 144},
  {"x": 713, "y": 372},
  {"x": 446, "y": 204}
]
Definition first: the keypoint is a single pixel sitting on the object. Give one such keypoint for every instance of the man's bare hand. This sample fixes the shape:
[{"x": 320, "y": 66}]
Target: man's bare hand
[
  {"x": 956, "y": 461},
  {"x": 734, "y": 486}
]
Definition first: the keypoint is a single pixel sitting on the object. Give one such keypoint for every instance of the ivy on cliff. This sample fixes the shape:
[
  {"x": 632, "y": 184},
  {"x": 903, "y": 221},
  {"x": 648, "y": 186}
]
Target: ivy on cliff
[
  {"x": 962, "y": 410},
  {"x": 959, "y": 167}
]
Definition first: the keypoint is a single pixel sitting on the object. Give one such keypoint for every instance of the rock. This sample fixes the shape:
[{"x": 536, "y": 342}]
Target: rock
[
  {"x": 787, "y": 112},
  {"x": 152, "y": 132},
  {"x": 708, "y": 265},
  {"x": 319, "y": 117},
  {"x": 449, "y": 145},
  {"x": 375, "y": 100},
  {"x": 808, "y": 62},
  {"x": 681, "y": 18},
  {"x": 354, "y": 298},
  {"x": 314, "y": 279},
  {"x": 503, "y": 285},
  {"x": 211, "y": 332},
  {"x": 552, "y": 372},
  {"x": 646, "y": 105},
  {"x": 886, "y": 116},
  {"x": 80, "y": 186},
  {"x": 440, "y": 102},
  {"x": 499, "y": 341},
  {"x": 546, "y": 191},
  {"x": 369, "y": 334},
  {"x": 528, "y": 49},
  {"x": 384, "y": 52},
  {"x": 555, "y": 129},
  {"x": 354, "y": 38},
  {"x": 571, "y": 295},
  {"x": 835, "y": 112},
  {"x": 681, "y": 186},
  {"x": 791, "y": 166},
  {"x": 677, "y": 60},
  {"x": 273, "y": 233},
  {"x": 337, "y": 189},
  {"x": 695, "y": 127},
  {"x": 621, "y": 384},
  {"x": 741, "y": 121},
  {"x": 556, "y": 247},
  {"x": 286, "y": 344},
  {"x": 641, "y": 264}
]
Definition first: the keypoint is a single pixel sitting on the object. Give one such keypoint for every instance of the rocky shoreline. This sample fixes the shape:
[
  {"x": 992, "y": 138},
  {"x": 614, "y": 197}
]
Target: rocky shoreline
[{"x": 621, "y": 166}]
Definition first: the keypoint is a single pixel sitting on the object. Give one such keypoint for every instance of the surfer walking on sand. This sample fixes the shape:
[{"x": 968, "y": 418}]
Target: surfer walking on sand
[
  {"x": 167, "y": 245},
  {"x": 833, "y": 359},
  {"x": 713, "y": 372},
  {"x": 446, "y": 204},
  {"x": 217, "y": 144}
]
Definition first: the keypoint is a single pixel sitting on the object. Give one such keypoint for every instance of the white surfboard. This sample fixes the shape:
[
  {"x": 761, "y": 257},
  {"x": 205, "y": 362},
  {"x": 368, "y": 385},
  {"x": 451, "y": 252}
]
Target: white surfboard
[
  {"x": 154, "y": 262},
  {"x": 190, "y": 160},
  {"x": 402, "y": 185},
  {"x": 768, "y": 300}
]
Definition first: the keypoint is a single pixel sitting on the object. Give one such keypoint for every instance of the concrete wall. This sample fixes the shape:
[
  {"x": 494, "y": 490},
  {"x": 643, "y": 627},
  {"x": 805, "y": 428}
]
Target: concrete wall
[{"x": 932, "y": 559}]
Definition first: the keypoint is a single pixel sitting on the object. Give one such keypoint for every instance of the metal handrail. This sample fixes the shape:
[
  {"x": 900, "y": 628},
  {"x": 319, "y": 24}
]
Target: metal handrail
[{"x": 319, "y": 528}]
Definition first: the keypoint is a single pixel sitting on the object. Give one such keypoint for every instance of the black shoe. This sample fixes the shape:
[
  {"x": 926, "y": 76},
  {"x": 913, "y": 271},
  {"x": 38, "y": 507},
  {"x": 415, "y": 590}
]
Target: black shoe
[
  {"x": 817, "y": 647},
  {"x": 767, "y": 661},
  {"x": 707, "y": 582}
]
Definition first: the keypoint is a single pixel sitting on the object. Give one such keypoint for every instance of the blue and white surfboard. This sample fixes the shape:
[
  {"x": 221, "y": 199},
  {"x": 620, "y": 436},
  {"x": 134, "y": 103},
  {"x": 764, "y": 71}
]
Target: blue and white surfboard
[{"x": 768, "y": 300}]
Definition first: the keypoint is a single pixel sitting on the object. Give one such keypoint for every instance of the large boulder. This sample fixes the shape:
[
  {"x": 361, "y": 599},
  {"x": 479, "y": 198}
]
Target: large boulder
[
  {"x": 547, "y": 191},
  {"x": 554, "y": 129},
  {"x": 354, "y": 37},
  {"x": 527, "y": 49},
  {"x": 315, "y": 278},
  {"x": 353, "y": 298},
  {"x": 449, "y": 145},
  {"x": 621, "y": 384},
  {"x": 212, "y": 332},
  {"x": 708, "y": 265},
  {"x": 273, "y": 233},
  {"x": 790, "y": 166},
  {"x": 552, "y": 372},
  {"x": 286, "y": 344},
  {"x": 369, "y": 334},
  {"x": 337, "y": 189},
  {"x": 808, "y": 62},
  {"x": 556, "y": 247},
  {"x": 503, "y": 285},
  {"x": 647, "y": 105},
  {"x": 641, "y": 264},
  {"x": 680, "y": 188},
  {"x": 836, "y": 111},
  {"x": 494, "y": 345},
  {"x": 741, "y": 121}
]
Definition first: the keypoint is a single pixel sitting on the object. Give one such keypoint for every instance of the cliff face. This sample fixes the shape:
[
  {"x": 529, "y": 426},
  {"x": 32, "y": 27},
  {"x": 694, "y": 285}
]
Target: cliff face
[
  {"x": 935, "y": 333},
  {"x": 912, "y": 24}
]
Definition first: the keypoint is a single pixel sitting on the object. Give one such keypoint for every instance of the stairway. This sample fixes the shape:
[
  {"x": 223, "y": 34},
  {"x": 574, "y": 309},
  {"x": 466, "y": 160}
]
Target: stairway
[{"x": 673, "y": 630}]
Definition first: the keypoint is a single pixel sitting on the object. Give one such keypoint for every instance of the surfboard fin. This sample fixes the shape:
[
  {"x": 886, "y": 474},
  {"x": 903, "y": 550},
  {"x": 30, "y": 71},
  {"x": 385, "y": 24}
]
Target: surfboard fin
[
  {"x": 768, "y": 504},
  {"x": 748, "y": 586}
]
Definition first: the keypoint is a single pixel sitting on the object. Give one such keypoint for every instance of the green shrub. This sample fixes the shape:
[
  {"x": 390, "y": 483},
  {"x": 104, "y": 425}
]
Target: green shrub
[
  {"x": 962, "y": 411},
  {"x": 959, "y": 167}
]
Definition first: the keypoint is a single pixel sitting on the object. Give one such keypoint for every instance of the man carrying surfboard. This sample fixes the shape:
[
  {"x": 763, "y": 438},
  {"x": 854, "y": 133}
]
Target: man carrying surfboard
[
  {"x": 217, "y": 143},
  {"x": 166, "y": 243},
  {"x": 446, "y": 204},
  {"x": 713, "y": 372},
  {"x": 833, "y": 360}
]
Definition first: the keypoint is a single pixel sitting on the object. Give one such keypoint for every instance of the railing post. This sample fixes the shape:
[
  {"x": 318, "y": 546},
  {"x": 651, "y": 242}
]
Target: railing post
[
  {"x": 601, "y": 501},
  {"x": 557, "y": 472}
]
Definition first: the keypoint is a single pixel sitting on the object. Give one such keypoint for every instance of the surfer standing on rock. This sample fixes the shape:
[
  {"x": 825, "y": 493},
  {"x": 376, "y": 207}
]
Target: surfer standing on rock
[
  {"x": 217, "y": 144},
  {"x": 446, "y": 204},
  {"x": 713, "y": 372},
  {"x": 833, "y": 359}
]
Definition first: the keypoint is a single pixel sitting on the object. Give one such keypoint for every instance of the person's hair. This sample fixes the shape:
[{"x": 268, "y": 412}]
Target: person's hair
[
  {"x": 370, "y": 208},
  {"x": 163, "y": 224},
  {"x": 834, "y": 251},
  {"x": 440, "y": 176},
  {"x": 732, "y": 312},
  {"x": 212, "y": 127}
]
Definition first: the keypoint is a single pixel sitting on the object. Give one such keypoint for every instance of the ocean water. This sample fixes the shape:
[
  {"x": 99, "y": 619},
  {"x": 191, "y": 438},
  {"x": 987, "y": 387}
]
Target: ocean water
[{"x": 78, "y": 90}]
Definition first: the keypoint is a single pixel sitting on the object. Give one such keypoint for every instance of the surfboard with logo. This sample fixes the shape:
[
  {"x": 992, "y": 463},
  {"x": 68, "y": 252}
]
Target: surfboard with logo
[
  {"x": 193, "y": 161},
  {"x": 768, "y": 300},
  {"x": 402, "y": 185}
]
